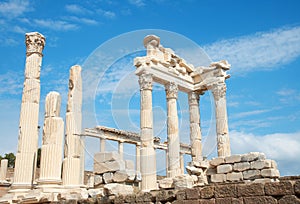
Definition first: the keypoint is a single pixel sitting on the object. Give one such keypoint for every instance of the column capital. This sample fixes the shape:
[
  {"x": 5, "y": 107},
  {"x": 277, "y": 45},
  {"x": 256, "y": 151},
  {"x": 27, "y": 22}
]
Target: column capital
[
  {"x": 35, "y": 43},
  {"x": 145, "y": 81},
  {"x": 171, "y": 90},
  {"x": 218, "y": 90},
  {"x": 193, "y": 98}
]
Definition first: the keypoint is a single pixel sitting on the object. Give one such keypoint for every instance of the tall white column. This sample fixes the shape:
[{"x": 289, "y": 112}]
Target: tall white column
[
  {"x": 223, "y": 143},
  {"x": 172, "y": 126},
  {"x": 28, "y": 129},
  {"x": 102, "y": 145},
  {"x": 195, "y": 129},
  {"x": 72, "y": 164},
  {"x": 3, "y": 170},
  {"x": 53, "y": 133},
  {"x": 121, "y": 149},
  {"x": 138, "y": 158},
  {"x": 148, "y": 158},
  {"x": 181, "y": 163}
]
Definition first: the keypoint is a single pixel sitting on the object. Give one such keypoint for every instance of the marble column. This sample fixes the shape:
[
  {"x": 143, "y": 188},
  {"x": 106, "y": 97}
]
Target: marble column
[
  {"x": 121, "y": 149},
  {"x": 53, "y": 133},
  {"x": 223, "y": 143},
  {"x": 182, "y": 163},
  {"x": 138, "y": 158},
  {"x": 195, "y": 129},
  {"x": 3, "y": 170},
  {"x": 25, "y": 164},
  {"x": 72, "y": 163},
  {"x": 102, "y": 145},
  {"x": 172, "y": 127},
  {"x": 148, "y": 158}
]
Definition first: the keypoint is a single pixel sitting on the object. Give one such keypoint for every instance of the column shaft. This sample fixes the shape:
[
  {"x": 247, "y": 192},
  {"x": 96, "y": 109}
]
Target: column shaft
[
  {"x": 73, "y": 166},
  {"x": 53, "y": 132},
  {"x": 121, "y": 150},
  {"x": 25, "y": 164},
  {"x": 3, "y": 170},
  {"x": 195, "y": 129},
  {"x": 102, "y": 145},
  {"x": 148, "y": 158},
  {"x": 173, "y": 137},
  {"x": 137, "y": 158},
  {"x": 182, "y": 163},
  {"x": 223, "y": 143}
]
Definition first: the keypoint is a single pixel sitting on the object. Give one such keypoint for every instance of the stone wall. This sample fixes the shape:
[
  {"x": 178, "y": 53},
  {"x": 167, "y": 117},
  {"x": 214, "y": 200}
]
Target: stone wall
[{"x": 285, "y": 191}]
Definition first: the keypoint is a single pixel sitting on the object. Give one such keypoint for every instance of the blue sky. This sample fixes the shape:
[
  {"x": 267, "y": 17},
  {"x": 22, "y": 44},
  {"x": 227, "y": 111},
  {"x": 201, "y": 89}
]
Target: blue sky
[{"x": 261, "y": 39}]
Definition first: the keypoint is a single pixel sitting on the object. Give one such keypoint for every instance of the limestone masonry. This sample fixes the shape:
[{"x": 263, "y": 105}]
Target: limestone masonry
[{"x": 244, "y": 178}]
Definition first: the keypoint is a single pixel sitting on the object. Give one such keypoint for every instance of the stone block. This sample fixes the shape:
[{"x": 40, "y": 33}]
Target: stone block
[
  {"x": 211, "y": 171},
  {"x": 166, "y": 183},
  {"x": 289, "y": 199},
  {"x": 252, "y": 189},
  {"x": 130, "y": 198},
  {"x": 183, "y": 182},
  {"x": 297, "y": 187},
  {"x": 241, "y": 166},
  {"x": 263, "y": 180},
  {"x": 202, "y": 201},
  {"x": 192, "y": 194},
  {"x": 108, "y": 177},
  {"x": 180, "y": 195},
  {"x": 251, "y": 174},
  {"x": 200, "y": 164},
  {"x": 224, "y": 191},
  {"x": 97, "y": 192},
  {"x": 253, "y": 156},
  {"x": 102, "y": 157},
  {"x": 279, "y": 188},
  {"x": 270, "y": 173},
  {"x": 195, "y": 178},
  {"x": 117, "y": 189},
  {"x": 98, "y": 180},
  {"x": 218, "y": 178},
  {"x": 274, "y": 164},
  {"x": 111, "y": 166},
  {"x": 224, "y": 168},
  {"x": 120, "y": 176},
  {"x": 207, "y": 192},
  {"x": 234, "y": 176},
  {"x": 217, "y": 161},
  {"x": 261, "y": 164},
  {"x": 260, "y": 200},
  {"x": 194, "y": 170},
  {"x": 223, "y": 201},
  {"x": 165, "y": 196},
  {"x": 237, "y": 201},
  {"x": 129, "y": 164},
  {"x": 233, "y": 159}
]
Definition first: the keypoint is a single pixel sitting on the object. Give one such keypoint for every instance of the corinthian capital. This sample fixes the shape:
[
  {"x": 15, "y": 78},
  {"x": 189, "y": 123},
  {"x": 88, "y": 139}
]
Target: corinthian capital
[
  {"x": 218, "y": 90},
  {"x": 145, "y": 81},
  {"x": 35, "y": 43},
  {"x": 171, "y": 90}
]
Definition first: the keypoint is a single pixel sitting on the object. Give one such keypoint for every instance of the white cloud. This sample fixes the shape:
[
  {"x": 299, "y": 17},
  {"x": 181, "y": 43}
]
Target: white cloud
[
  {"x": 87, "y": 21},
  {"x": 106, "y": 14},
  {"x": 11, "y": 83},
  {"x": 138, "y": 3},
  {"x": 76, "y": 9},
  {"x": 263, "y": 50},
  {"x": 55, "y": 24},
  {"x": 14, "y": 8},
  {"x": 250, "y": 113},
  {"x": 284, "y": 148},
  {"x": 288, "y": 96}
]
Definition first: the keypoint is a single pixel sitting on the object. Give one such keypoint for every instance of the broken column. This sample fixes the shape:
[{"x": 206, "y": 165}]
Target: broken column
[
  {"x": 3, "y": 170},
  {"x": 223, "y": 143},
  {"x": 53, "y": 132},
  {"x": 73, "y": 168},
  {"x": 102, "y": 144},
  {"x": 28, "y": 127},
  {"x": 195, "y": 129},
  {"x": 148, "y": 158},
  {"x": 172, "y": 127}
]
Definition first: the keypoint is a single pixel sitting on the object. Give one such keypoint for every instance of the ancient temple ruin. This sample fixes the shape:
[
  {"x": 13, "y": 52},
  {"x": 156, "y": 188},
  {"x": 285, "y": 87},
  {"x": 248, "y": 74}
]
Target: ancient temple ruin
[{"x": 112, "y": 174}]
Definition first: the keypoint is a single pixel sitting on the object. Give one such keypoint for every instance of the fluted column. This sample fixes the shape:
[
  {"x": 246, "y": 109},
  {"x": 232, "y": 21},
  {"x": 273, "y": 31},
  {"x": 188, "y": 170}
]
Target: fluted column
[
  {"x": 138, "y": 158},
  {"x": 148, "y": 158},
  {"x": 181, "y": 163},
  {"x": 51, "y": 152},
  {"x": 28, "y": 129},
  {"x": 3, "y": 170},
  {"x": 72, "y": 164},
  {"x": 121, "y": 149},
  {"x": 102, "y": 145},
  {"x": 195, "y": 129},
  {"x": 223, "y": 143},
  {"x": 172, "y": 126}
]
